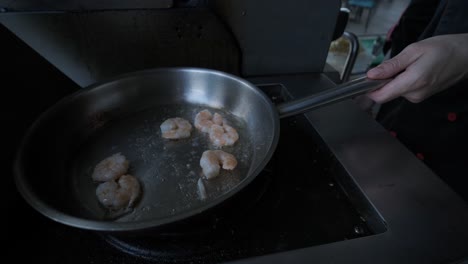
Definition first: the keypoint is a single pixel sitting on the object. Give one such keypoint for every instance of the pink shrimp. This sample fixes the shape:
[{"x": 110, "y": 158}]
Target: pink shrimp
[
  {"x": 110, "y": 168},
  {"x": 176, "y": 128},
  {"x": 224, "y": 135},
  {"x": 120, "y": 194},
  {"x": 212, "y": 160},
  {"x": 204, "y": 120}
]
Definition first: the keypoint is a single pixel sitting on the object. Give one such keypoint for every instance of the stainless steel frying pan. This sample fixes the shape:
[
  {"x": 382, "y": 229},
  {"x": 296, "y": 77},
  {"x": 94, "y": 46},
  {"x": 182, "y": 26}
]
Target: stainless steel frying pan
[{"x": 55, "y": 161}]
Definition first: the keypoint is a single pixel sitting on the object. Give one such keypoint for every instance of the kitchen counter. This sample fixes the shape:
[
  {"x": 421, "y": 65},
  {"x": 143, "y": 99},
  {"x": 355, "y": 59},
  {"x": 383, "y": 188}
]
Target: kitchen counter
[{"x": 425, "y": 221}]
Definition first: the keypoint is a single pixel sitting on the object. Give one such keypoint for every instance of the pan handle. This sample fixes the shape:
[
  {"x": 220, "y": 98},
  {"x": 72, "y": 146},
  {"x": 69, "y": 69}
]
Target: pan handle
[{"x": 339, "y": 93}]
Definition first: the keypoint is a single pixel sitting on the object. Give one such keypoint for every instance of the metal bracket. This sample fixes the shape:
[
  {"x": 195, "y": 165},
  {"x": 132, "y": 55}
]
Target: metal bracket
[{"x": 352, "y": 55}]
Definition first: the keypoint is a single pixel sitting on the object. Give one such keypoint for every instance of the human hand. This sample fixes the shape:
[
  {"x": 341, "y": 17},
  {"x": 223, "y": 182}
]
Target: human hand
[{"x": 423, "y": 69}]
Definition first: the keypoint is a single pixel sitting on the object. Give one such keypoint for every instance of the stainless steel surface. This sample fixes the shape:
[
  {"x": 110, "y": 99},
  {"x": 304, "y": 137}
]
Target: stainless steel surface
[
  {"x": 336, "y": 94},
  {"x": 123, "y": 115},
  {"x": 278, "y": 37},
  {"x": 268, "y": 37},
  {"x": 90, "y": 47},
  {"x": 352, "y": 55},
  {"x": 425, "y": 219},
  {"x": 79, "y": 5}
]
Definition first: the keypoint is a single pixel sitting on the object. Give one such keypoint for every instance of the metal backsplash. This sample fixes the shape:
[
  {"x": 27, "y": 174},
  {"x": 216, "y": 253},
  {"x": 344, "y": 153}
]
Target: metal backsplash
[
  {"x": 280, "y": 37},
  {"x": 80, "y": 5},
  {"x": 248, "y": 38}
]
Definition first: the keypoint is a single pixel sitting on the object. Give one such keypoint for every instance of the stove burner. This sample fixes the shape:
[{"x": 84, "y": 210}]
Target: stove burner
[{"x": 162, "y": 251}]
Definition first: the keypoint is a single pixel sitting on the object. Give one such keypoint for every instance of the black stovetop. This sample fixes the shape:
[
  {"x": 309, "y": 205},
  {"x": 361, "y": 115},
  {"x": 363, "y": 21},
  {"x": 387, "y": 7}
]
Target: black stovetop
[{"x": 294, "y": 203}]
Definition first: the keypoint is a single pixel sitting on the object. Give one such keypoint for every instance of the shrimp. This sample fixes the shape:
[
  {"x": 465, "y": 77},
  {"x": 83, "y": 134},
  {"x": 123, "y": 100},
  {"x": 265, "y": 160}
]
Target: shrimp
[
  {"x": 212, "y": 159},
  {"x": 224, "y": 135},
  {"x": 201, "y": 189},
  {"x": 110, "y": 168},
  {"x": 218, "y": 119},
  {"x": 120, "y": 194},
  {"x": 176, "y": 128},
  {"x": 204, "y": 120}
]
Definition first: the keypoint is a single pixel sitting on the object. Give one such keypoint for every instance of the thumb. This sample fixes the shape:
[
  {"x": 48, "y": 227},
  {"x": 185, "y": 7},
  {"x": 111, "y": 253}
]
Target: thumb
[{"x": 392, "y": 67}]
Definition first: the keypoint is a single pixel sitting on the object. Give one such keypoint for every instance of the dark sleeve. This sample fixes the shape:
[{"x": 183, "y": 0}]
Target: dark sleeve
[
  {"x": 453, "y": 18},
  {"x": 412, "y": 23}
]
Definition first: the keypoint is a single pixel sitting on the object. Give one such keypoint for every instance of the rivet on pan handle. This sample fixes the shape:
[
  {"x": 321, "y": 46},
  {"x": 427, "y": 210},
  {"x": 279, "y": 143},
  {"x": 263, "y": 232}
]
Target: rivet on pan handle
[{"x": 339, "y": 93}]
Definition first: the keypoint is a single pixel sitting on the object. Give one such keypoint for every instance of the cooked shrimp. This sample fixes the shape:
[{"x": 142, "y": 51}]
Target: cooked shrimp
[
  {"x": 176, "y": 128},
  {"x": 110, "y": 168},
  {"x": 224, "y": 135},
  {"x": 119, "y": 195},
  {"x": 212, "y": 159},
  {"x": 201, "y": 189},
  {"x": 204, "y": 120},
  {"x": 218, "y": 119}
]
